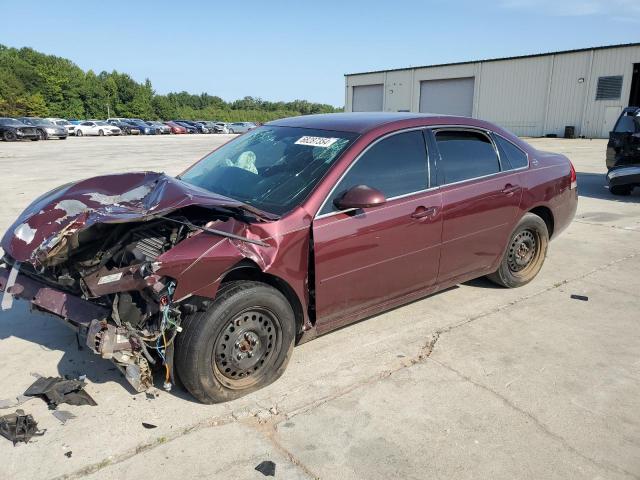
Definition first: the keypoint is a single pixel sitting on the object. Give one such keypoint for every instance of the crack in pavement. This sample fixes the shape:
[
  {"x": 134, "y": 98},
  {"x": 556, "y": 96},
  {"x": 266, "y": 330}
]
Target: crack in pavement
[
  {"x": 269, "y": 430},
  {"x": 423, "y": 354},
  {"x": 539, "y": 424}
]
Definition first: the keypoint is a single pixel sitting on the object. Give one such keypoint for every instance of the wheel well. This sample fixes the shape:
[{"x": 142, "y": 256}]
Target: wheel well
[
  {"x": 248, "y": 270},
  {"x": 545, "y": 214}
]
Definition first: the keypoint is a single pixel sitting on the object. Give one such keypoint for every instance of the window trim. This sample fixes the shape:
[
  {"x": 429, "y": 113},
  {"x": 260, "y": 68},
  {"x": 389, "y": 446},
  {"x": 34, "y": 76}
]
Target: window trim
[
  {"x": 362, "y": 153},
  {"x": 486, "y": 133},
  {"x": 526, "y": 154}
]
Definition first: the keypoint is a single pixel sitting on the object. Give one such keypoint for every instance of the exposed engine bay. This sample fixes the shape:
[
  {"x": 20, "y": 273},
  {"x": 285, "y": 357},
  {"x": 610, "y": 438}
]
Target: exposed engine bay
[{"x": 114, "y": 265}]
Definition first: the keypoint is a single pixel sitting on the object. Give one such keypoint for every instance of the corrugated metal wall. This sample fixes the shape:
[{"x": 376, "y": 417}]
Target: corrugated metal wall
[{"x": 531, "y": 96}]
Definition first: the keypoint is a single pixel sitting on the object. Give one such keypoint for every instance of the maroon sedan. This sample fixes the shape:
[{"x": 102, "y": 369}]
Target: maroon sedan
[
  {"x": 294, "y": 229},
  {"x": 175, "y": 128}
]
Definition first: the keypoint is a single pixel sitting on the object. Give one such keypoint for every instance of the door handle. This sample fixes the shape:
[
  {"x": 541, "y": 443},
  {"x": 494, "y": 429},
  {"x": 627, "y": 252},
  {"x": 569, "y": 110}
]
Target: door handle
[
  {"x": 510, "y": 189},
  {"x": 422, "y": 212}
]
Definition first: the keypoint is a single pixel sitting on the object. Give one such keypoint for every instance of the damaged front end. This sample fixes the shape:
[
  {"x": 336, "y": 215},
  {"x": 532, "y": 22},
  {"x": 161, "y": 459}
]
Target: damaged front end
[{"x": 102, "y": 261}]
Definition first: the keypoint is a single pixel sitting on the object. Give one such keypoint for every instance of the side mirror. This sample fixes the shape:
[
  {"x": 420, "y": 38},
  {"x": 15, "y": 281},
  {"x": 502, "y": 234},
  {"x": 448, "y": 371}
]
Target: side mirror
[{"x": 360, "y": 196}]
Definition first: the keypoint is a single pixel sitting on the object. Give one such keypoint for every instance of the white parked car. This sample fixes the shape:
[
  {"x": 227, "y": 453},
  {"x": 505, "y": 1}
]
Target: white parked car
[
  {"x": 64, "y": 123},
  {"x": 241, "y": 127},
  {"x": 96, "y": 127}
]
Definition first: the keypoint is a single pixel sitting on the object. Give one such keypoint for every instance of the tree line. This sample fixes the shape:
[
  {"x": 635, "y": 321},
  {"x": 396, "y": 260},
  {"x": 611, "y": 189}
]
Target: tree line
[{"x": 35, "y": 84}]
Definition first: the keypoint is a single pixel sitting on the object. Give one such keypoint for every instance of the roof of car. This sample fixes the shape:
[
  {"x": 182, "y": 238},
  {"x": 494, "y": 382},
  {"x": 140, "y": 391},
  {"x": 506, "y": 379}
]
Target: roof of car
[{"x": 356, "y": 122}]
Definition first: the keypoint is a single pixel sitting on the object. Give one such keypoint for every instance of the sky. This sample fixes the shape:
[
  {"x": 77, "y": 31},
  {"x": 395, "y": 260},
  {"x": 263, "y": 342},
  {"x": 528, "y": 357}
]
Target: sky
[{"x": 286, "y": 50}]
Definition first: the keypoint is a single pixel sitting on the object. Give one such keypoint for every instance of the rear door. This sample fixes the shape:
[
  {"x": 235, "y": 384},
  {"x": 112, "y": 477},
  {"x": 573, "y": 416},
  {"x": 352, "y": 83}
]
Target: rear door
[
  {"x": 480, "y": 202},
  {"x": 367, "y": 258}
]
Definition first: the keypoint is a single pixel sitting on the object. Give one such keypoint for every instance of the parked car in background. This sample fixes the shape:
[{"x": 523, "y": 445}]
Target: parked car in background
[
  {"x": 45, "y": 128},
  {"x": 623, "y": 153},
  {"x": 307, "y": 224},
  {"x": 189, "y": 128},
  {"x": 175, "y": 128},
  {"x": 209, "y": 125},
  {"x": 12, "y": 130},
  {"x": 117, "y": 119},
  {"x": 241, "y": 127},
  {"x": 61, "y": 122},
  {"x": 160, "y": 127},
  {"x": 199, "y": 127},
  {"x": 125, "y": 128},
  {"x": 142, "y": 126},
  {"x": 96, "y": 128},
  {"x": 221, "y": 127}
]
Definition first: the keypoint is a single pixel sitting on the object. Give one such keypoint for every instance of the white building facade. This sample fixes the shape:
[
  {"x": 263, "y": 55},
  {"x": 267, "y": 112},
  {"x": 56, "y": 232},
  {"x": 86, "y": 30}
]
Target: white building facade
[{"x": 533, "y": 95}]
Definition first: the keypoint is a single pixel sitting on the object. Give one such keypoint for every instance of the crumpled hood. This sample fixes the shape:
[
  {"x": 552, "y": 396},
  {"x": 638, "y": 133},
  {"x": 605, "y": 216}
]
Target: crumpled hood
[{"x": 46, "y": 226}]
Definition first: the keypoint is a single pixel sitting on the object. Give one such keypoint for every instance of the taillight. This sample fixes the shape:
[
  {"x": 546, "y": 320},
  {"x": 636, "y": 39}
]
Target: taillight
[{"x": 574, "y": 177}]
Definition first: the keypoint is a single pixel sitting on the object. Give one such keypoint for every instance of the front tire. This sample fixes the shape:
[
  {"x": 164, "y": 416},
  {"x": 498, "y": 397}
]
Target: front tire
[
  {"x": 242, "y": 343},
  {"x": 525, "y": 253},
  {"x": 42, "y": 135},
  {"x": 100, "y": 133},
  {"x": 78, "y": 133}
]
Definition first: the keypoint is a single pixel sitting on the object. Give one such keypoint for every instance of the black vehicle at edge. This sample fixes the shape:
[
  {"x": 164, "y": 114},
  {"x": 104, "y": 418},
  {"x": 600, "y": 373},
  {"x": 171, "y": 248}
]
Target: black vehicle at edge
[
  {"x": 12, "y": 130},
  {"x": 623, "y": 153}
]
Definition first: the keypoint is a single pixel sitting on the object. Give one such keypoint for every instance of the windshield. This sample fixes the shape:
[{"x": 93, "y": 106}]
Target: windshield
[
  {"x": 62, "y": 122},
  {"x": 271, "y": 168},
  {"x": 627, "y": 124},
  {"x": 10, "y": 121}
]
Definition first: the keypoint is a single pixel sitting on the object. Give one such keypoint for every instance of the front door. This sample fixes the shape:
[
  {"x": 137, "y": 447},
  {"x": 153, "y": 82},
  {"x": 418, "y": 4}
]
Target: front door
[{"x": 367, "y": 258}]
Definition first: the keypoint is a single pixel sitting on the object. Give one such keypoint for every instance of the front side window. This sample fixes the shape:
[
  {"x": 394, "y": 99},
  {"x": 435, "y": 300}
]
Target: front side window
[
  {"x": 271, "y": 168},
  {"x": 512, "y": 157},
  {"x": 396, "y": 165},
  {"x": 465, "y": 154}
]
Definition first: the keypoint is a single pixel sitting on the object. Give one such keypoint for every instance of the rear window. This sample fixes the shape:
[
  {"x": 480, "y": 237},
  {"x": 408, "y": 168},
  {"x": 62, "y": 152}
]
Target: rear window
[
  {"x": 465, "y": 155},
  {"x": 627, "y": 124}
]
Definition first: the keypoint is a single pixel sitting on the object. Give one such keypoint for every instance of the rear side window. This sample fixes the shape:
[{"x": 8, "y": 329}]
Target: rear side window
[
  {"x": 515, "y": 158},
  {"x": 396, "y": 165},
  {"x": 465, "y": 155}
]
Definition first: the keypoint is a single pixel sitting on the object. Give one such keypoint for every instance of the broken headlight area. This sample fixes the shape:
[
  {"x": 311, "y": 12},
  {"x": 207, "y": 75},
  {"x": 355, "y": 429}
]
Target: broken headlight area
[{"x": 113, "y": 266}]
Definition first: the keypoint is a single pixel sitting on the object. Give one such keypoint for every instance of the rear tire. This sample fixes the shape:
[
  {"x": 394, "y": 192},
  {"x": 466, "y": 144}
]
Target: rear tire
[
  {"x": 621, "y": 190},
  {"x": 242, "y": 343},
  {"x": 9, "y": 136},
  {"x": 525, "y": 253}
]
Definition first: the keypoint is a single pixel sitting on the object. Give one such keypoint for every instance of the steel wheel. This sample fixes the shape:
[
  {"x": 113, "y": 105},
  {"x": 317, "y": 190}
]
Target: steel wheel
[
  {"x": 244, "y": 349},
  {"x": 522, "y": 251}
]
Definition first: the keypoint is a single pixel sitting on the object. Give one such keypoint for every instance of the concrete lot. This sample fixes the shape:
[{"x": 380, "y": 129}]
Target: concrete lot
[{"x": 474, "y": 382}]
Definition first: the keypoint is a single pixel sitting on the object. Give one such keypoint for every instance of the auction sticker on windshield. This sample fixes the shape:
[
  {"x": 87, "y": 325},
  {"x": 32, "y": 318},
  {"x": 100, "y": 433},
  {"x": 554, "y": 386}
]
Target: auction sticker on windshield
[{"x": 316, "y": 141}]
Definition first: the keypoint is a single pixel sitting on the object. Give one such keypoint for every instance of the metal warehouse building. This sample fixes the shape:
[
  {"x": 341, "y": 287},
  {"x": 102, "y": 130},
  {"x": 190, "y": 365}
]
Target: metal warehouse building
[{"x": 532, "y": 95}]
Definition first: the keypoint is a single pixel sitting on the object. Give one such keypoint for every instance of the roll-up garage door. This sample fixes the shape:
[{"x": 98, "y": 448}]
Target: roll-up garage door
[
  {"x": 453, "y": 96},
  {"x": 367, "y": 98}
]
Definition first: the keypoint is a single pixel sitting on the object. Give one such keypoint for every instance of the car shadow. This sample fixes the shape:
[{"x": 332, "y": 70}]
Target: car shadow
[
  {"x": 594, "y": 185},
  {"x": 52, "y": 334}
]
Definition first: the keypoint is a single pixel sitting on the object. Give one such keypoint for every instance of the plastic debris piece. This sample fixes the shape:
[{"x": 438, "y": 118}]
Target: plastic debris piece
[
  {"x": 19, "y": 427},
  {"x": 57, "y": 390},
  {"x": 14, "y": 402},
  {"x": 584, "y": 298},
  {"x": 63, "y": 416},
  {"x": 68, "y": 454},
  {"x": 149, "y": 425},
  {"x": 267, "y": 468}
]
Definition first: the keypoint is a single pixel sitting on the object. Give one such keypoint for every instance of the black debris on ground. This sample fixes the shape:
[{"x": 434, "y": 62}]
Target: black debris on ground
[
  {"x": 149, "y": 425},
  {"x": 68, "y": 454},
  {"x": 57, "y": 390},
  {"x": 267, "y": 468},
  {"x": 584, "y": 298},
  {"x": 19, "y": 427}
]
